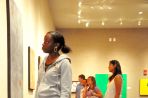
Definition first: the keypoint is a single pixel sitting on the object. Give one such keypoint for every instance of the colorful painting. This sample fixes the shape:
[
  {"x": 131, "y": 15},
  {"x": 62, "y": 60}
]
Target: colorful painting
[
  {"x": 74, "y": 85},
  {"x": 143, "y": 86}
]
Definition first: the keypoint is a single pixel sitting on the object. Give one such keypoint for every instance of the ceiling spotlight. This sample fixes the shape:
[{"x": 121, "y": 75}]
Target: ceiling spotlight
[
  {"x": 140, "y": 13},
  {"x": 101, "y": 8},
  {"x": 79, "y": 12},
  {"x": 120, "y": 21},
  {"x": 139, "y": 23},
  {"x": 80, "y": 3},
  {"x": 109, "y": 8},
  {"x": 79, "y": 21},
  {"x": 92, "y": 7},
  {"x": 114, "y": 39},
  {"x": 102, "y": 23},
  {"x": 110, "y": 39},
  {"x": 87, "y": 24}
]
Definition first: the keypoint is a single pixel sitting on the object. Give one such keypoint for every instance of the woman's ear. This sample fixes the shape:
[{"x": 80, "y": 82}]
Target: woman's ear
[{"x": 56, "y": 44}]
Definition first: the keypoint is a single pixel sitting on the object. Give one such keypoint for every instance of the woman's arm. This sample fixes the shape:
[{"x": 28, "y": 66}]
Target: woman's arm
[
  {"x": 66, "y": 79},
  {"x": 97, "y": 93},
  {"x": 118, "y": 85},
  {"x": 84, "y": 92}
]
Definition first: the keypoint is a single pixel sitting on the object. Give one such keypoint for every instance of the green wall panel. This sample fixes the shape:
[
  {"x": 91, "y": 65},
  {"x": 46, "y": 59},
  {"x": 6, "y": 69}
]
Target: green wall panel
[{"x": 102, "y": 81}]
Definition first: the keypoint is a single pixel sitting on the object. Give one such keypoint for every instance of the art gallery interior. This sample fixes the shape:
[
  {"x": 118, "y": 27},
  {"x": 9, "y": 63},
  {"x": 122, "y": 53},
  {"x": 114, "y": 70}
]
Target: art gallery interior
[{"x": 96, "y": 30}]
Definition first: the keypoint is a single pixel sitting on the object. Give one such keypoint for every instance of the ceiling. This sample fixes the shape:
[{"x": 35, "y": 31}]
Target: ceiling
[{"x": 99, "y": 13}]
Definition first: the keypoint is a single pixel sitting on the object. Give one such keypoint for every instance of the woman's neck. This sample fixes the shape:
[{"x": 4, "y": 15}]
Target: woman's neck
[
  {"x": 52, "y": 58},
  {"x": 54, "y": 54}
]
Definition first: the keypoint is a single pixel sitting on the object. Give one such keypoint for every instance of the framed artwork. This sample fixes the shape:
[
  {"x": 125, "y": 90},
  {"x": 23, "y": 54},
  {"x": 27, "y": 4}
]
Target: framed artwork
[
  {"x": 144, "y": 86},
  {"x": 39, "y": 61},
  {"x": 74, "y": 85},
  {"x": 31, "y": 69},
  {"x": 15, "y": 50}
]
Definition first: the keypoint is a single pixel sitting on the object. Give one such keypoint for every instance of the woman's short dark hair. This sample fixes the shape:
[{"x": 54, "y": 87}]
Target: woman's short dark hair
[
  {"x": 59, "y": 39},
  {"x": 117, "y": 69},
  {"x": 82, "y": 76}
]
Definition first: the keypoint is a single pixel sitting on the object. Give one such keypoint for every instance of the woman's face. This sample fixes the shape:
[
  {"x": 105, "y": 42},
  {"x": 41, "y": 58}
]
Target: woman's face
[
  {"x": 111, "y": 67},
  {"x": 84, "y": 82},
  {"x": 47, "y": 46},
  {"x": 89, "y": 81}
]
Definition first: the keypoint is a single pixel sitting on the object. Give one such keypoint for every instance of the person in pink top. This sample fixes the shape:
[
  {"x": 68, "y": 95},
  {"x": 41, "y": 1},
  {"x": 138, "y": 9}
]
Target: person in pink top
[{"x": 91, "y": 90}]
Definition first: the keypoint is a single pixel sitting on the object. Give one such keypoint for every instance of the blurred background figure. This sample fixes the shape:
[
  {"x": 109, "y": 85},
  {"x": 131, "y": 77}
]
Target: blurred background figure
[
  {"x": 79, "y": 86},
  {"x": 91, "y": 90}
]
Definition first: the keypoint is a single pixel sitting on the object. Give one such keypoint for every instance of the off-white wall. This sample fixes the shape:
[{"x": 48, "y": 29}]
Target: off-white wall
[
  {"x": 91, "y": 52},
  {"x": 3, "y": 50},
  {"x": 37, "y": 21}
]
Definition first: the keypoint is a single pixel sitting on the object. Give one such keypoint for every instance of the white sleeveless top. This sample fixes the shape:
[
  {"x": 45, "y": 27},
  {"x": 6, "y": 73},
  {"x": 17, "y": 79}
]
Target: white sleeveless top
[{"x": 110, "y": 92}]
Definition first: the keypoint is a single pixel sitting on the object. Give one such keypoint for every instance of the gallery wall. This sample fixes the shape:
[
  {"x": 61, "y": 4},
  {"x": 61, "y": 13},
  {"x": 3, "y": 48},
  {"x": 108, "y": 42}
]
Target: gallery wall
[
  {"x": 92, "y": 49},
  {"x": 35, "y": 21},
  {"x": 3, "y": 49}
]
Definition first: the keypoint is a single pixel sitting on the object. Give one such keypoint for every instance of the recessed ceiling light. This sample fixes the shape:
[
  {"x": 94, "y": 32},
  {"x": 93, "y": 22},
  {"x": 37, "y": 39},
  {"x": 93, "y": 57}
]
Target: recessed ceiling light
[
  {"x": 87, "y": 24},
  {"x": 121, "y": 23},
  {"x": 79, "y": 12},
  {"x": 139, "y": 23},
  {"x": 109, "y": 8},
  {"x": 140, "y": 13},
  {"x": 102, "y": 23},
  {"x": 79, "y": 21},
  {"x": 80, "y": 3},
  {"x": 92, "y": 7},
  {"x": 110, "y": 39},
  {"x": 114, "y": 39},
  {"x": 101, "y": 8}
]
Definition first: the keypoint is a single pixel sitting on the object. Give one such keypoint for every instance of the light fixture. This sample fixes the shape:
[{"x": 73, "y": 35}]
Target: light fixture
[
  {"x": 114, "y": 39},
  {"x": 79, "y": 21},
  {"x": 87, "y": 24},
  {"x": 120, "y": 21},
  {"x": 139, "y": 23},
  {"x": 140, "y": 13},
  {"x": 109, "y": 7},
  {"x": 101, "y": 8},
  {"x": 110, "y": 39},
  {"x": 80, "y": 3},
  {"x": 79, "y": 12},
  {"x": 92, "y": 7},
  {"x": 102, "y": 23}
]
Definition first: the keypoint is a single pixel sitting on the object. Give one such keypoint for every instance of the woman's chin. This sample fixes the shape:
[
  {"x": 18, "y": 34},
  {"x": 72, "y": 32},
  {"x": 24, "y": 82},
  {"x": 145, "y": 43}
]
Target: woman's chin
[{"x": 44, "y": 51}]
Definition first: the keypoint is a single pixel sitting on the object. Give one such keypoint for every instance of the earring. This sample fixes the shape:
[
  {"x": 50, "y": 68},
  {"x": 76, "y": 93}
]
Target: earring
[{"x": 55, "y": 49}]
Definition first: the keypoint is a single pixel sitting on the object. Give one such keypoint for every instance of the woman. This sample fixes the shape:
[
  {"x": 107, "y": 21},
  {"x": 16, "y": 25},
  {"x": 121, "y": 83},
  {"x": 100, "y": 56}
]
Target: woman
[
  {"x": 55, "y": 75},
  {"x": 115, "y": 80},
  {"x": 91, "y": 90}
]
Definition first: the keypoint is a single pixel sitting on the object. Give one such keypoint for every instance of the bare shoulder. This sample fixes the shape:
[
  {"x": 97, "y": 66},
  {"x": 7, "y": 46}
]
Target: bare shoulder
[{"x": 118, "y": 78}]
